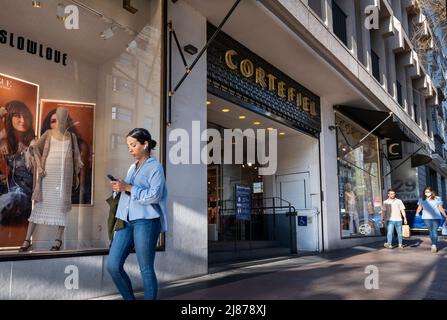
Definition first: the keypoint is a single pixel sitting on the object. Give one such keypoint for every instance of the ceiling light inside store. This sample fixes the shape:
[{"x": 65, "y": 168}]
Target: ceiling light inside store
[
  {"x": 282, "y": 133},
  {"x": 131, "y": 46},
  {"x": 242, "y": 117},
  {"x": 208, "y": 103},
  {"x": 225, "y": 110},
  {"x": 36, "y": 4},
  {"x": 270, "y": 129},
  {"x": 256, "y": 123},
  {"x": 60, "y": 12},
  {"x": 108, "y": 33}
]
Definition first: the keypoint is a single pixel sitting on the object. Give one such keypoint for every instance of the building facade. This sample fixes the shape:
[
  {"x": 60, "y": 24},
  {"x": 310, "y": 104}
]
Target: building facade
[{"x": 354, "y": 110}]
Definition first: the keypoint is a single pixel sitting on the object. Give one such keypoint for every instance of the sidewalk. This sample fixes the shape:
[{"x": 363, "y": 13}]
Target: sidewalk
[{"x": 411, "y": 273}]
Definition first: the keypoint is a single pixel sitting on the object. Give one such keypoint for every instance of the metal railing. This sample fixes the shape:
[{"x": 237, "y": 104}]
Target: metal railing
[{"x": 272, "y": 219}]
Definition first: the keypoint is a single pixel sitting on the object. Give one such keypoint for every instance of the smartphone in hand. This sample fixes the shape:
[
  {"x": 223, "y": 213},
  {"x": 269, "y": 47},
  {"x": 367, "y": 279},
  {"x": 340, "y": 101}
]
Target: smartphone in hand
[{"x": 112, "y": 178}]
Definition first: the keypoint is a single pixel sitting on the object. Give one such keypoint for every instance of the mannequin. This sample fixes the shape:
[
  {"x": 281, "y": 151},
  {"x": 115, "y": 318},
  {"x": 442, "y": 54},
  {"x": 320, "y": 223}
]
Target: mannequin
[{"x": 58, "y": 163}]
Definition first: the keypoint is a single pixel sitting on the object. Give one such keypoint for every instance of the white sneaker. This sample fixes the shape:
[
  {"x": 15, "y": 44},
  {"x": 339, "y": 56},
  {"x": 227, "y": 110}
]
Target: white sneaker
[
  {"x": 401, "y": 246},
  {"x": 388, "y": 245},
  {"x": 434, "y": 249}
]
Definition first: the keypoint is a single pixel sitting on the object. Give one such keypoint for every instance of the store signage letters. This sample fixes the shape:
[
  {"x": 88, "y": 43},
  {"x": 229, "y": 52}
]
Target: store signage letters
[
  {"x": 266, "y": 80},
  {"x": 32, "y": 47},
  {"x": 5, "y": 83}
]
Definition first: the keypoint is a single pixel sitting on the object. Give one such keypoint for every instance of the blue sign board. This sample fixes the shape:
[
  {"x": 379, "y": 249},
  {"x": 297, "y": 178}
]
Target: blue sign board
[
  {"x": 243, "y": 202},
  {"x": 302, "y": 221}
]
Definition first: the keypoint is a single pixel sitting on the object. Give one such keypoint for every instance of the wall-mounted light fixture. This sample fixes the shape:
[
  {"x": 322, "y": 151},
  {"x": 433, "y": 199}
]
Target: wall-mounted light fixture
[
  {"x": 60, "y": 11},
  {"x": 332, "y": 127},
  {"x": 131, "y": 46},
  {"x": 190, "y": 49},
  {"x": 108, "y": 33}
]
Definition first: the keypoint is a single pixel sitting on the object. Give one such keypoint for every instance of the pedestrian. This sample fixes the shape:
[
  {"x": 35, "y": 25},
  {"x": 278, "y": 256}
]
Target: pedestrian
[
  {"x": 392, "y": 211},
  {"x": 142, "y": 207},
  {"x": 432, "y": 208}
]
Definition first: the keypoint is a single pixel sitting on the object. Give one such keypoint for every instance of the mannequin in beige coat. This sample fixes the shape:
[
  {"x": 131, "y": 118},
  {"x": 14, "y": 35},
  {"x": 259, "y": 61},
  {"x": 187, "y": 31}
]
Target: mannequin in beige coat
[{"x": 58, "y": 163}]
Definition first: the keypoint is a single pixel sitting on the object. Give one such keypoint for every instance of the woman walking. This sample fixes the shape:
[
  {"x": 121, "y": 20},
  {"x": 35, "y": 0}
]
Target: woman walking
[
  {"x": 142, "y": 207},
  {"x": 431, "y": 207}
]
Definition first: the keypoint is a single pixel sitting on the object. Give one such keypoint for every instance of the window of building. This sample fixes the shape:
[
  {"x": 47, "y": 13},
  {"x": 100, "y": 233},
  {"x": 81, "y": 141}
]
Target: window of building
[
  {"x": 339, "y": 23},
  {"x": 100, "y": 81},
  {"x": 415, "y": 113},
  {"x": 315, "y": 5},
  {"x": 428, "y": 127},
  {"x": 443, "y": 189},
  {"x": 432, "y": 179},
  {"x": 399, "y": 93},
  {"x": 375, "y": 64},
  {"x": 122, "y": 114},
  {"x": 360, "y": 194}
]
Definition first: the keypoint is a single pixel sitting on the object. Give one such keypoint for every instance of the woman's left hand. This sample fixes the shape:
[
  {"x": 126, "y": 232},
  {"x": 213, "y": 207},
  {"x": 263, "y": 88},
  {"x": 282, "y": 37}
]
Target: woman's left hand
[{"x": 120, "y": 186}]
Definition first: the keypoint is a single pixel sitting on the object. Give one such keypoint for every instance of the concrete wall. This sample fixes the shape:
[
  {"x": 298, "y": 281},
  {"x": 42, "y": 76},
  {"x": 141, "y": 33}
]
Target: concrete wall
[{"x": 187, "y": 242}]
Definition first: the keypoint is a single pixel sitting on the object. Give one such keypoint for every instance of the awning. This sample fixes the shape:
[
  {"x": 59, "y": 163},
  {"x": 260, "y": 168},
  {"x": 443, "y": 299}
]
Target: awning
[
  {"x": 369, "y": 119},
  {"x": 420, "y": 159},
  {"x": 385, "y": 126}
]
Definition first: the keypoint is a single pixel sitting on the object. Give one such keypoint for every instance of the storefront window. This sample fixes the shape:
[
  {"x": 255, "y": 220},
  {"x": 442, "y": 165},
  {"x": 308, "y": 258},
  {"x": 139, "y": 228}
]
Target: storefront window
[
  {"x": 89, "y": 71},
  {"x": 359, "y": 181}
]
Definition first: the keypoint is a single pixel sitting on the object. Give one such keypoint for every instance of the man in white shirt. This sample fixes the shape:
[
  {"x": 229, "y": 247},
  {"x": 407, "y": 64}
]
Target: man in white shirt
[{"x": 392, "y": 211}]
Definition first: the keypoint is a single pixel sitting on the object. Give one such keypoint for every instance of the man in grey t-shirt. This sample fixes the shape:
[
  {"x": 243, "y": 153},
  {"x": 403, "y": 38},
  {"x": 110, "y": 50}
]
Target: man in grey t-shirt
[{"x": 392, "y": 211}]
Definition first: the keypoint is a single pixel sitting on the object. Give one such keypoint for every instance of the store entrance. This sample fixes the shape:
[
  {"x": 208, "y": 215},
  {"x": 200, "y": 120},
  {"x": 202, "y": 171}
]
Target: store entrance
[{"x": 267, "y": 228}]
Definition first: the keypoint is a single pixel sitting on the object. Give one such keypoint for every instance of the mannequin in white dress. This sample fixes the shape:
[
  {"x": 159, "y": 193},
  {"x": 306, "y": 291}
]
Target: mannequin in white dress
[{"x": 58, "y": 163}]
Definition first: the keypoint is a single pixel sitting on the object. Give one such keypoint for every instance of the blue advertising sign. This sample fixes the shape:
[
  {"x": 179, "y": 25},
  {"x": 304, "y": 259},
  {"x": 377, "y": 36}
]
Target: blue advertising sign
[{"x": 243, "y": 202}]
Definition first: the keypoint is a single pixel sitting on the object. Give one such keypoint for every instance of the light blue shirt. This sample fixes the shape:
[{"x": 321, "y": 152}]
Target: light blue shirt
[
  {"x": 148, "y": 196},
  {"x": 430, "y": 208}
]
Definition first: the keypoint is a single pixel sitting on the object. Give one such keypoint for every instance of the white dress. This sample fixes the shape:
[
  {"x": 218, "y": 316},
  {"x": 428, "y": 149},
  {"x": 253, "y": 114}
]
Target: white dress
[{"x": 56, "y": 185}]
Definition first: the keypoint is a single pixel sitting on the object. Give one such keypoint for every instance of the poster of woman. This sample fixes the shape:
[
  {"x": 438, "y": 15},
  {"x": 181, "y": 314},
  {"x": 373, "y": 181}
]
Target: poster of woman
[
  {"x": 18, "y": 114},
  {"x": 81, "y": 123}
]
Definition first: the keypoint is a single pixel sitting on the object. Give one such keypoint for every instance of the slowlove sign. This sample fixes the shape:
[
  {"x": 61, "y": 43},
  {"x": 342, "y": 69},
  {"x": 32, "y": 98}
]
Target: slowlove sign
[{"x": 32, "y": 47}]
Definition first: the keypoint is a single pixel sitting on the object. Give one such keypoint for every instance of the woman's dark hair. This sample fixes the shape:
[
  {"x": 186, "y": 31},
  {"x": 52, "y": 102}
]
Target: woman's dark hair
[
  {"x": 433, "y": 193},
  {"x": 142, "y": 136},
  {"x": 13, "y": 108}
]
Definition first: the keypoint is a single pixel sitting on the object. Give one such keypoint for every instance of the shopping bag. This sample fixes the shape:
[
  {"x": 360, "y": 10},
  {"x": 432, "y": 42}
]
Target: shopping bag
[
  {"x": 382, "y": 227},
  {"x": 444, "y": 229},
  {"x": 406, "y": 231}
]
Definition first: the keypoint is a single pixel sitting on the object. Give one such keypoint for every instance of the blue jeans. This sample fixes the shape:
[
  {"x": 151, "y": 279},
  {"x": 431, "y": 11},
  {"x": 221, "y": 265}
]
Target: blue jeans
[
  {"x": 143, "y": 234},
  {"x": 433, "y": 225},
  {"x": 391, "y": 225}
]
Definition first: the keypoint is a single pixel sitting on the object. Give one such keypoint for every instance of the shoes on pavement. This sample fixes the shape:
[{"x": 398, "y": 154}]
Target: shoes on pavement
[
  {"x": 434, "y": 249},
  {"x": 388, "y": 245}
]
